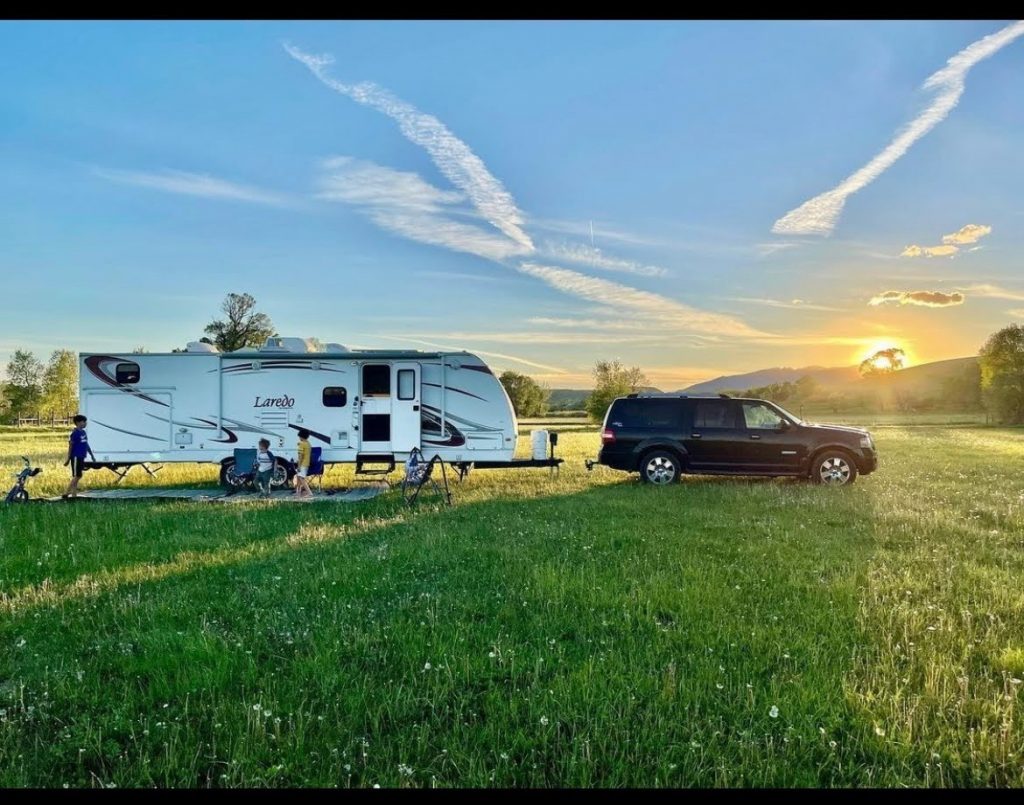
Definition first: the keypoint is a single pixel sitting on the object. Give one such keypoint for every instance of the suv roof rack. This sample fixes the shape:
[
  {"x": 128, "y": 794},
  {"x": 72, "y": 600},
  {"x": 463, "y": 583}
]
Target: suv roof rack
[{"x": 677, "y": 395}]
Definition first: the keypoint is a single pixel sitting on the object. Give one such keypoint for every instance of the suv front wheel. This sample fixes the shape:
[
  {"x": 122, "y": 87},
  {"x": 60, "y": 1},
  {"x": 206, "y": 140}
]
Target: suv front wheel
[
  {"x": 834, "y": 468},
  {"x": 660, "y": 467}
]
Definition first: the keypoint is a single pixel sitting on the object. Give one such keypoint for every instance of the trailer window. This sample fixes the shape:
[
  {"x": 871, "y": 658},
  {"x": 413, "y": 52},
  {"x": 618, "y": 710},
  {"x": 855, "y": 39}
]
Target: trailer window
[
  {"x": 376, "y": 380},
  {"x": 127, "y": 373},
  {"x": 335, "y": 397},
  {"x": 407, "y": 384}
]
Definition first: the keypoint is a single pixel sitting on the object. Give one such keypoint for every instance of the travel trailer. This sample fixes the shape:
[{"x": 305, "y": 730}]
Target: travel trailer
[{"x": 366, "y": 407}]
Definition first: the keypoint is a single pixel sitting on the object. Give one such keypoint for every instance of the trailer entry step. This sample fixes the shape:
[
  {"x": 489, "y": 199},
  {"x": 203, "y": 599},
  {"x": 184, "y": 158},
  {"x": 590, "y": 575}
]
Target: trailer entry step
[{"x": 387, "y": 459}]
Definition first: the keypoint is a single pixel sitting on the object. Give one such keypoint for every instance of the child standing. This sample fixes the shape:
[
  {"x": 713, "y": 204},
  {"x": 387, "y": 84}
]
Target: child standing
[
  {"x": 78, "y": 449},
  {"x": 305, "y": 452},
  {"x": 264, "y": 468}
]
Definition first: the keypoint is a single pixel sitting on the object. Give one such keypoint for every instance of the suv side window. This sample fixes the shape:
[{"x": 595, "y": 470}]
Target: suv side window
[
  {"x": 759, "y": 416},
  {"x": 713, "y": 414},
  {"x": 646, "y": 414}
]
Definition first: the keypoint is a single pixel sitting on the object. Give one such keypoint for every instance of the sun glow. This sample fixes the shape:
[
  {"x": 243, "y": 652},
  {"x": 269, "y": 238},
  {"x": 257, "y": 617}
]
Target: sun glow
[{"x": 880, "y": 345}]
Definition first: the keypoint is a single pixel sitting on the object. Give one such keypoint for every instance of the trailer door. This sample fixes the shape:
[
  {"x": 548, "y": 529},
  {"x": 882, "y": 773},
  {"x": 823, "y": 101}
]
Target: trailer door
[
  {"x": 405, "y": 407},
  {"x": 377, "y": 392}
]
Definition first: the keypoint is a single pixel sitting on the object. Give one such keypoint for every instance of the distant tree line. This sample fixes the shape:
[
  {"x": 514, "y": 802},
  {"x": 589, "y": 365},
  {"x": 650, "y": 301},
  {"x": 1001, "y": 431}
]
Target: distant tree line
[{"x": 35, "y": 389}]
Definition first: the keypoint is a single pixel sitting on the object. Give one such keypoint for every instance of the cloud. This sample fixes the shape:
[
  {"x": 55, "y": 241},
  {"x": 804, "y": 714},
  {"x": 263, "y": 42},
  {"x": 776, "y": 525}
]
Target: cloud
[
  {"x": 922, "y": 298},
  {"x": 404, "y": 203},
  {"x": 793, "y": 304},
  {"x": 993, "y": 292},
  {"x": 435, "y": 345},
  {"x": 819, "y": 215},
  {"x": 929, "y": 251},
  {"x": 634, "y": 302},
  {"x": 193, "y": 184},
  {"x": 1017, "y": 313},
  {"x": 971, "y": 233},
  {"x": 452, "y": 156},
  {"x": 595, "y": 258}
]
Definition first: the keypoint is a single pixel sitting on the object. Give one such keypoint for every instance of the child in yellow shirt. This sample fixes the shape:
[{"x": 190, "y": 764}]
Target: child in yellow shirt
[{"x": 302, "y": 489}]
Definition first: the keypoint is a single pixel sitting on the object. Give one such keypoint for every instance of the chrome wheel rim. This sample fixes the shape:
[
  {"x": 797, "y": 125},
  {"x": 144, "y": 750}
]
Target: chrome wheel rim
[
  {"x": 233, "y": 478},
  {"x": 660, "y": 470},
  {"x": 835, "y": 471},
  {"x": 280, "y": 476}
]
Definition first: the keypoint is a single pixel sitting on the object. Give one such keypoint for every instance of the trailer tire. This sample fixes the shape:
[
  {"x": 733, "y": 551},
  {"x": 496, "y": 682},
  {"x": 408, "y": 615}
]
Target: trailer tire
[
  {"x": 284, "y": 471},
  {"x": 228, "y": 479}
]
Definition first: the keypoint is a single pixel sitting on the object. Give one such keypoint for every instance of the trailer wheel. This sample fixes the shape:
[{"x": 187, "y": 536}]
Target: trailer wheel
[
  {"x": 283, "y": 474},
  {"x": 229, "y": 479}
]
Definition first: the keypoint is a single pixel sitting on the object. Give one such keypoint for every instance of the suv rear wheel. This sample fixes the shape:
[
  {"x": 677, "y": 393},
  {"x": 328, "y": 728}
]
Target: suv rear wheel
[
  {"x": 660, "y": 467},
  {"x": 834, "y": 468}
]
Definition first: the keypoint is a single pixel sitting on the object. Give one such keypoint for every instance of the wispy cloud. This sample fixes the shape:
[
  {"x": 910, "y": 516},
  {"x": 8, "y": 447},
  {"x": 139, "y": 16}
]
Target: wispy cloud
[
  {"x": 595, "y": 258},
  {"x": 503, "y": 356},
  {"x": 410, "y": 206},
  {"x": 929, "y": 251},
  {"x": 993, "y": 292},
  {"x": 921, "y": 298},
  {"x": 406, "y": 204},
  {"x": 819, "y": 215},
  {"x": 193, "y": 184},
  {"x": 452, "y": 156},
  {"x": 633, "y": 301},
  {"x": 971, "y": 233},
  {"x": 793, "y": 304},
  {"x": 1017, "y": 313}
]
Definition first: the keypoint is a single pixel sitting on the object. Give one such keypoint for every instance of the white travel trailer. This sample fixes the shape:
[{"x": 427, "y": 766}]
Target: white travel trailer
[{"x": 359, "y": 406}]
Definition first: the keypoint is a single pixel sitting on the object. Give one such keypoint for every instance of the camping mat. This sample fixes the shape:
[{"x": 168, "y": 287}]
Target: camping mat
[{"x": 219, "y": 495}]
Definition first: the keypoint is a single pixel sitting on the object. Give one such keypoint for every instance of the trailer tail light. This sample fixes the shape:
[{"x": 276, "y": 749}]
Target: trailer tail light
[{"x": 607, "y": 436}]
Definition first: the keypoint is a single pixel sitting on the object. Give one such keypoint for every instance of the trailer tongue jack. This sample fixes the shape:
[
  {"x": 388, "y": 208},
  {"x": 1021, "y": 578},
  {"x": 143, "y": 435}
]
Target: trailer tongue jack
[{"x": 463, "y": 467}]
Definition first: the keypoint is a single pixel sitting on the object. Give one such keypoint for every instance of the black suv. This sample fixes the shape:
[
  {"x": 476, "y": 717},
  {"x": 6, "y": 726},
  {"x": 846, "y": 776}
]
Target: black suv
[{"x": 662, "y": 436}]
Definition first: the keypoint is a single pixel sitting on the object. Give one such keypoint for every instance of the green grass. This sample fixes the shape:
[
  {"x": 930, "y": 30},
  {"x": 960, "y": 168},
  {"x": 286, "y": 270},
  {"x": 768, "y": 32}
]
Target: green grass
[{"x": 581, "y": 631}]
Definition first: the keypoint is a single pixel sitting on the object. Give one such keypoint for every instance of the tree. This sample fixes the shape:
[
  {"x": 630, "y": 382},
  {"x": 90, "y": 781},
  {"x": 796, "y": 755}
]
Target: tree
[
  {"x": 1002, "y": 374},
  {"x": 24, "y": 384},
  {"x": 140, "y": 351},
  {"x": 883, "y": 362},
  {"x": 60, "y": 385},
  {"x": 612, "y": 380},
  {"x": 528, "y": 397},
  {"x": 243, "y": 327}
]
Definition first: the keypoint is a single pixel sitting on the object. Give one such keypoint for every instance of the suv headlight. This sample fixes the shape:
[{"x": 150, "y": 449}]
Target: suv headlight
[{"x": 865, "y": 441}]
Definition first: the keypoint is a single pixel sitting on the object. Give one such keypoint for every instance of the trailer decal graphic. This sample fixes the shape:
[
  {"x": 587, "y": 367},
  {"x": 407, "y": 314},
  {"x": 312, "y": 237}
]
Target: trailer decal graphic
[
  {"x": 97, "y": 365},
  {"x": 131, "y": 432},
  {"x": 452, "y": 388},
  {"x": 320, "y": 436}
]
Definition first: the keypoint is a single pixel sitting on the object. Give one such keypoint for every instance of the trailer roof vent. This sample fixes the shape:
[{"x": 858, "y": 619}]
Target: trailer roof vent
[
  {"x": 200, "y": 346},
  {"x": 279, "y": 344}
]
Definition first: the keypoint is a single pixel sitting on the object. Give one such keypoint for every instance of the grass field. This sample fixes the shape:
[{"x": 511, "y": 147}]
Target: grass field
[{"x": 578, "y": 631}]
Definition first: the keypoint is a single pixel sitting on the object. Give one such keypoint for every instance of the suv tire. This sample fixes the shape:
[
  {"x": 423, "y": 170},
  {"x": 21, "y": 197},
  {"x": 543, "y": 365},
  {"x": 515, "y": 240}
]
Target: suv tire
[
  {"x": 834, "y": 468},
  {"x": 660, "y": 467}
]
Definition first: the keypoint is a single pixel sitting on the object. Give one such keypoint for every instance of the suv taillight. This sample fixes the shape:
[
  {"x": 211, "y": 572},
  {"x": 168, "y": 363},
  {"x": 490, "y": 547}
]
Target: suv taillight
[{"x": 607, "y": 436}]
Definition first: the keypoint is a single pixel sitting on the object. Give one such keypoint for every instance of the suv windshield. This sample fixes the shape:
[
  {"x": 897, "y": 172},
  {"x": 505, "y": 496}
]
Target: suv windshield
[{"x": 794, "y": 417}]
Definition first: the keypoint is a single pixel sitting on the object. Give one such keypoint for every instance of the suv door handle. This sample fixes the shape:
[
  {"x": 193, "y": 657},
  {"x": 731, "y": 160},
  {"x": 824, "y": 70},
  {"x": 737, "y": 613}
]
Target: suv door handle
[
  {"x": 694, "y": 435},
  {"x": 755, "y": 436}
]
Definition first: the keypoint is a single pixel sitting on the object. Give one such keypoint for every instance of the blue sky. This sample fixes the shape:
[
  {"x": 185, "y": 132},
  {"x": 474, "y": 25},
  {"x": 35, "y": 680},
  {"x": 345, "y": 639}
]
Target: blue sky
[{"x": 150, "y": 168}]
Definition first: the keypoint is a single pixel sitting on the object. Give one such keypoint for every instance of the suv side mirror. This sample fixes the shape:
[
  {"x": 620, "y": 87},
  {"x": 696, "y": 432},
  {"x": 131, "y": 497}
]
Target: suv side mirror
[{"x": 783, "y": 426}]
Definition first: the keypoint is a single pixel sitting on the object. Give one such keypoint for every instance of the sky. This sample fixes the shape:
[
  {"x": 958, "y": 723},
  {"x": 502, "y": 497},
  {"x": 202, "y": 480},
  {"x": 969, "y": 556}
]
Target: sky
[{"x": 695, "y": 198}]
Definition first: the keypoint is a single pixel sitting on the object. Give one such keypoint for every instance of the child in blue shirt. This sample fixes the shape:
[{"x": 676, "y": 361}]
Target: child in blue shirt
[{"x": 78, "y": 449}]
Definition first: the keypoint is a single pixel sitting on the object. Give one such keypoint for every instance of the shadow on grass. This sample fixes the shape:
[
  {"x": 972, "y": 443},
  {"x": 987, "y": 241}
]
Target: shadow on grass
[{"x": 620, "y": 635}]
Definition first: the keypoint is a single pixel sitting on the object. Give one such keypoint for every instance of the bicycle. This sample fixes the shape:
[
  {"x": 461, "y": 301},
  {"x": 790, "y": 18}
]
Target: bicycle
[{"x": 18, "y": 493}]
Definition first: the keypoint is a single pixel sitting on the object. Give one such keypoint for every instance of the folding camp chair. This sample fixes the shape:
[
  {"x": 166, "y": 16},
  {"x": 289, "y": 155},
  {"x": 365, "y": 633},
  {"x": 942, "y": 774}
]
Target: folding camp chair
[
  {"x": 316, "y": 468},
  {"x": 419, "y": 473},
  {"x": 242, "y": 473}
]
